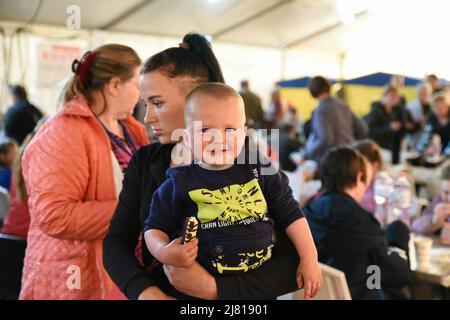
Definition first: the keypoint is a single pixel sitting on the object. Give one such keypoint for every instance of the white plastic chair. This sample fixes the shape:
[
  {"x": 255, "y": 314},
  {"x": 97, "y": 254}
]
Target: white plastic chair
[{"x": 334, "y": 287}]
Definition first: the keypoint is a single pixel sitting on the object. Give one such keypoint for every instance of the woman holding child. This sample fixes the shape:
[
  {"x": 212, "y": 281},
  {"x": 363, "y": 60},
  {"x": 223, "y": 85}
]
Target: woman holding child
[{"x": 166, "y": 79}]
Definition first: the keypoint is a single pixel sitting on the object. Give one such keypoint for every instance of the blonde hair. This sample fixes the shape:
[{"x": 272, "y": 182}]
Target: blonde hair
[
  {"x": 217, "y": 90},
  {"x": 424, "y": 86},
  {"x": 111, "y": 60},
  {"x": 438, "y": 97},
  {"x": 390, "y": 90}
]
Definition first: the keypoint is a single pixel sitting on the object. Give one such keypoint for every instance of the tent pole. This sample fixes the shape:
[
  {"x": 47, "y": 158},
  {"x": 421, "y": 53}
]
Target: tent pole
[
  {"x": 341, "y": 65},
  {"x": 283, "y": 51}
]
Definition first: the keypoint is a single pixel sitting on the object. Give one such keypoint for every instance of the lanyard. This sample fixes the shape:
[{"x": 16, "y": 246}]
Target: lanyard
[{"x": 117, "y": 141}]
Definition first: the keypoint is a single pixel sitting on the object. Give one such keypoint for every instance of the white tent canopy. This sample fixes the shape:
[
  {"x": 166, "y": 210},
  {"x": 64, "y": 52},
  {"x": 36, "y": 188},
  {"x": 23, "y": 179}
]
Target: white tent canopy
[{"x": 264, "y": 41}]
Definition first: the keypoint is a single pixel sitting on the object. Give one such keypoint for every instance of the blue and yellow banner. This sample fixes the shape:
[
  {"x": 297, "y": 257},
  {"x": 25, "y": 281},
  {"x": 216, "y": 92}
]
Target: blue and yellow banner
[{"x": 359, "y": 92}]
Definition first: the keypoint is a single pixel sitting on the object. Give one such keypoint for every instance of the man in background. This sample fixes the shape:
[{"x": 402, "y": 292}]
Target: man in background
[
  {"x": 420, "y": 110},
  {"x": 433, "y": 80},
  {"x": 333, "y": 123},
  {"x": 253, "y": 110},
  {"x": 21, "y": 117}
]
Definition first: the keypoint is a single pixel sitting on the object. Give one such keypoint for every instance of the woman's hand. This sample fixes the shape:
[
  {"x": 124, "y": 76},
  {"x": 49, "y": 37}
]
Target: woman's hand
[
  {"x": 445, "y": 234},
  {"x": 395, "y": 126},
  {"x": 440, "y": 214},
  {"x": 154, "y": 293},
  {"x": 193, "y": 281},
  {"x": 309, "y": 276}
]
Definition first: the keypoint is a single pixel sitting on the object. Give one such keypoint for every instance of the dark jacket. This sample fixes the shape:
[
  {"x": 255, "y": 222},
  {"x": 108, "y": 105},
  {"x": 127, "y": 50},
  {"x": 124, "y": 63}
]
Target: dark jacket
[
  {"x": 434, "y": 127},
  {"x": 379, "y": 119},
  {"x": 350, "y": 239},
  {"x": 288, "y": 145},
  {"x": 145, "y": 173},
  {"x": 254, "y": 112},
  {"x": 20, "y": 120}
]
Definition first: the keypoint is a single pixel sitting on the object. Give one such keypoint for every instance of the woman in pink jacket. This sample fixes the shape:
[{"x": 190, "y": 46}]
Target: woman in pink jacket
[{"x": 73, "y": 172}]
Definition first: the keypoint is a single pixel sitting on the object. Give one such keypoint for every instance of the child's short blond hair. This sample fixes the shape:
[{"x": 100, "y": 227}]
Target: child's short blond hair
[{"x": 216, "y": 90}]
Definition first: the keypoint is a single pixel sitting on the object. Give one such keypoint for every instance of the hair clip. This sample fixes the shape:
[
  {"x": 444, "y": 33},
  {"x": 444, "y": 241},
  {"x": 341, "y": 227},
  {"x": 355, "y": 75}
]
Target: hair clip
[{"x": 82, "y": 67}]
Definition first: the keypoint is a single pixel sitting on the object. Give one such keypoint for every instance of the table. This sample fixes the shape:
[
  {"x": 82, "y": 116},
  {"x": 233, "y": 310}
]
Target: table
[{"x": 438, "y": 271}]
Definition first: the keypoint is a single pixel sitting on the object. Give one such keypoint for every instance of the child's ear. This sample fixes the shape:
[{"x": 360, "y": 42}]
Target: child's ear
[{"x": 360, "y": 177}]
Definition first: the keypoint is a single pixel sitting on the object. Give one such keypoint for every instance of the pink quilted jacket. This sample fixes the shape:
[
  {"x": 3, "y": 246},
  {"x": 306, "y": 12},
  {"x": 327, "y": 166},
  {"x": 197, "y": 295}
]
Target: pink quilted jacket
[{"x": 69, "y": 177}]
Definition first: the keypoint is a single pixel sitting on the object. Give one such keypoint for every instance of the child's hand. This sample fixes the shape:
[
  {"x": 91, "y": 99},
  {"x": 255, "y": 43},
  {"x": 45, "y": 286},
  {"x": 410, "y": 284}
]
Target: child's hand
[
  {"x": 180, "y": 255},
  {"x": 309, "y": 276}
]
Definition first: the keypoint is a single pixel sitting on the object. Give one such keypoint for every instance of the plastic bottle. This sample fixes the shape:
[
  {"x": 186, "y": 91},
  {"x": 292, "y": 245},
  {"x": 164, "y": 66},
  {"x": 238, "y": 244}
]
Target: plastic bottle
[
  {"x": 401, "y": 200},
  {"x": 383, "y": 187}
]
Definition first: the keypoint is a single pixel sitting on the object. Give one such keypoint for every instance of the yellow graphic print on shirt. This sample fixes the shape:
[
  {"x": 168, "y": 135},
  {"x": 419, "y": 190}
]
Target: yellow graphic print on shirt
[
  {"x": 230, "y": 204},
  {"x": 248, "y": 261}
]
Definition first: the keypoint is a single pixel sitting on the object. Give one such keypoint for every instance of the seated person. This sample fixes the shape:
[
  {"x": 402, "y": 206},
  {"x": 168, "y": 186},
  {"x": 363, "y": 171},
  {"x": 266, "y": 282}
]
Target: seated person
[
  {"x": 371, "y": 151},
  {"x": 438, "y": 124},
  {"x": 436, "y": 216},
  {"x": 17, "y": 220},
  {"x": 288, "y": 144},
  {"x": 237, "y": 203},
  {"x": 349, "y": 238},
  {"x": 8, "y": 151},
  {"x": 420, "y": 110},
  {"x": 16, "y": 224},
  {"x": 385, "y": 126}
]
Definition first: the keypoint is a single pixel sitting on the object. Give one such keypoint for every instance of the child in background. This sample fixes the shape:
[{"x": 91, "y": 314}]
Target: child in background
[
  {"x": 237, "y": 205},
  {"x": 17, "y": 221},
  {"x": 371, "y": 151},
  {"x": 16, "y": 224},
  {"x": 8, "y": 152}
]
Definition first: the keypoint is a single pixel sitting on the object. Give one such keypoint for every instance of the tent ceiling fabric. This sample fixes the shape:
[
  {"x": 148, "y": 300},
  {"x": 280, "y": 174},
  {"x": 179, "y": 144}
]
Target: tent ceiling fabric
[
  {"x": 93, "y": 13},
  {"x": 268, "y": 23},
  {"x": 387, "y": 35}
]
